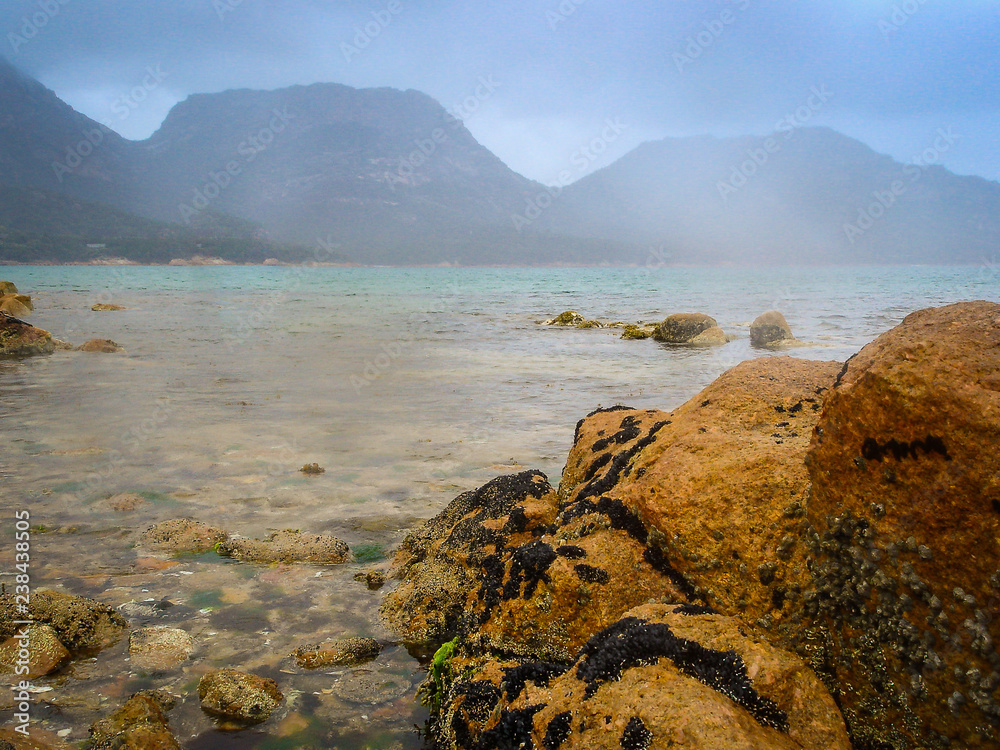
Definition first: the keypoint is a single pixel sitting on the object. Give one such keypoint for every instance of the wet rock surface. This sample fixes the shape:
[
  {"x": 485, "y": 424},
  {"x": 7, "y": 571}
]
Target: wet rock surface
[
  {"x": 288, "y": 546},
  {"x": 159, "y": 648},
  {"x": 140, "y": 724},
  {"x": 106, "y": 307},
  {"x": 42, "y": 647},
  {"x": 20, "y": 339},
  {"x": 350, "y": 650},
  {"x": 182, "y": 536},
  {"x": 244, "y": 697}
]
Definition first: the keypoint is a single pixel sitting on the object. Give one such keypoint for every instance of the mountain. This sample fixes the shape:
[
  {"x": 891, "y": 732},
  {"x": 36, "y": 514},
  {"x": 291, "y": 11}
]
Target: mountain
[
  {"x": 388, "y": 176},
  {"x": 803, "y": 195}
]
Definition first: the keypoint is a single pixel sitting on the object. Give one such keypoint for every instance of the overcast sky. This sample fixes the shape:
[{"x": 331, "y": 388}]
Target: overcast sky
[{"x": 536, "y": 80}]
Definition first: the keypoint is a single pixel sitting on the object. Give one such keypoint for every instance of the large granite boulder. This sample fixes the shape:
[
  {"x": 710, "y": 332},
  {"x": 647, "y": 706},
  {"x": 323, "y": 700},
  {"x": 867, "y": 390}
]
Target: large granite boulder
[
  {"x": 7, "y": 287},
  {"x": 683, "y": 328},
  {"x": 20, "y": 339},
  {"x": 906, "y": 554},
  {"x": 721, "y": 487},
  {"x": 662, "y": 676}
]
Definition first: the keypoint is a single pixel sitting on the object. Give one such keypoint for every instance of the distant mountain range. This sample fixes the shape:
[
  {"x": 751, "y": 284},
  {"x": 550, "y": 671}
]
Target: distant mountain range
[{"x": 328, "y": 172}]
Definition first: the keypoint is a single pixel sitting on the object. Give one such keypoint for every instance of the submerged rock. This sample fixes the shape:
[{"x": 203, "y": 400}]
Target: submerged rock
[
  {"x": 288, "y": 546},
  {"x": 159, "y": 648},
  {"x": 681, "y": 328},
  {"x": 106, "y": 307},
  {"x": 238, "y": 695},
  {"x": 638, "y": 331},
  {"x": 906, "y": 510},
  {"x": 104, "y": 346},
  {"x": 140, "y": 724},
  {"x": 16, "y": 304},
  {"x": 182, "y": 536},
  {"x": 352, "y": 650},
  {"x": 568, "y": 318},
  {"x": 770, "y": 330},
  {"x": 79, "y": 623},
  {"x": 373, "y": 579},
  {"x": 20, "y": 339},
  {"x": 312, "y": 469},
  {"x": 663, "y": 675},
  {"x": 43, "y": 651}
]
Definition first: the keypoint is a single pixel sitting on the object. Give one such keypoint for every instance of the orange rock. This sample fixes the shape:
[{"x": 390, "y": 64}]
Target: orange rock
[
  {"x": 18, "y": 339},
  {"x": 45, "y": 654},
  {"x": 664, "y": 675},
  {"x": 906, "y": 507},
  {"x": 721, "y": 485},
  {"x": 105, "y": 346}
]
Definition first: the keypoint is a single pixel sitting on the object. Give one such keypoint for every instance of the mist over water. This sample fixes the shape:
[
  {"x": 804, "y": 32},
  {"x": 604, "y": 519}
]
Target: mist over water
[{"x": 407, "y": 385}]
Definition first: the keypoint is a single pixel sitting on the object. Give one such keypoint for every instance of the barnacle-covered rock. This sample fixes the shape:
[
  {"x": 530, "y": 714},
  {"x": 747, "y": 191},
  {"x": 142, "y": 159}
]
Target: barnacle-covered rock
[
  {"x": 245, "y": 697},
  {"x": 505, "y": 568},
  {"x": 182, "y": 536},
  {"x": 906, "y": 511},
  {"x": 683, "y": 328},
  {"x": 287, "y": 546},
  {"x": 663, "y": 675},
  {"x": 79, "y": 623},
  {"x": 140, "y": 724}
]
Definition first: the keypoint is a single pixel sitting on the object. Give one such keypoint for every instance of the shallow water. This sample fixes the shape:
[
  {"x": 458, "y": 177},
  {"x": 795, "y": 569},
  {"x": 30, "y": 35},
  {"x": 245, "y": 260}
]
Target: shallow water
[{"x": 407, "y": 385}]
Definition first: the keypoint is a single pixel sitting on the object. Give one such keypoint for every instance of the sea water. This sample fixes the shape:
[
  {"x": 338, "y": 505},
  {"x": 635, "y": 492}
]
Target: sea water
[{"x": 408, "y": 385}]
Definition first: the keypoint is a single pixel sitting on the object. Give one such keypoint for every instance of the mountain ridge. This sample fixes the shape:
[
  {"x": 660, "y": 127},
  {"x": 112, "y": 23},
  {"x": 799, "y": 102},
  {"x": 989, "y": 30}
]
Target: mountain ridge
[{"x": 389, "y": 176}]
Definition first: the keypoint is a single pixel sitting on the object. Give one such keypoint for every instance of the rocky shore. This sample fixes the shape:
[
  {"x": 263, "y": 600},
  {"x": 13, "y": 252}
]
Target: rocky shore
[{"x": 804, "y": 555}]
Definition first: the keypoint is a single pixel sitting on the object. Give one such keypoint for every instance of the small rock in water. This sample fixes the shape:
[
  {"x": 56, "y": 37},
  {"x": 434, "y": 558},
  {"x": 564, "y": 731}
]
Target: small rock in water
[
  {"x": 312, "y": 469},
  {"x": 288, "y": 546},
  {"x": 353, "y": 650},
  {"x": 140, "y": 724},
  {"x": 124, "y": 502},
  {"x": 45, "y": 652},
  {"x": 159, "y": 647},
  {"x": 20, "y": 339},
  {"x": 106, "y": 307},
  {"x": 103, "y": 346},
  {"x": 79, "y": 623},
  {"x": 374, "y": 579},
  {"x": 7, "y": 287},
  {"x": 182, "y": 535},
  {"x": 681, "y": 328},
  {"x": 770, "y": 329},
  {"x": 568, "y": 318},
  {"x": 239, "y": 695}
]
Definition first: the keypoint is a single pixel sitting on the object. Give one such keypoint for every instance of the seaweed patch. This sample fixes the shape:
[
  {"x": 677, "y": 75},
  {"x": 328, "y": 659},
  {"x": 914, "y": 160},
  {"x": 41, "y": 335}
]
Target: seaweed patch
[
  {"x": 538, "y": 672},
  {"x": 628, "y": 431},
  {"x": 636, "y": 736},
  {"x": 632, "y": 642},
  {"x": 529, "y": 565},
  {"x": 571, "y": 552},
  {"x": 872, "y": 450},
  {"x": 557, "y": 732},
  {"x": 512, "y": 731}
]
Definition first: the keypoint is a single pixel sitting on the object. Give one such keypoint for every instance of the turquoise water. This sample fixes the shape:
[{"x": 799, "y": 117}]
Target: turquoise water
[{"x": 407, "y": 385}]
